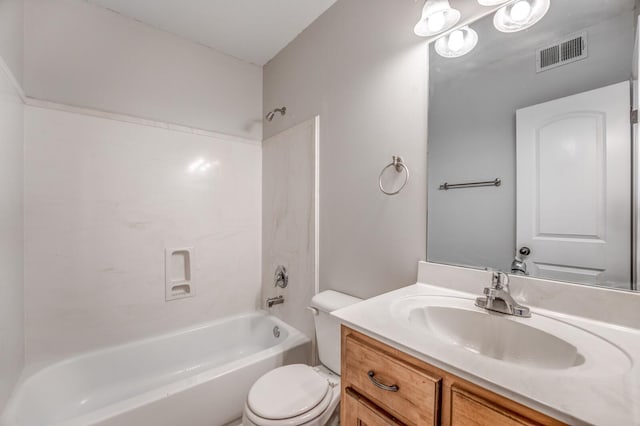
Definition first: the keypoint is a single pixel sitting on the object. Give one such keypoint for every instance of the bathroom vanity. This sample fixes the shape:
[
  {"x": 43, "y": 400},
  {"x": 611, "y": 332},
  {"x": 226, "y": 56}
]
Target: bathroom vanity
[
  {"x": 426, "y": 354},
  {"x": 382, "y": 385}
]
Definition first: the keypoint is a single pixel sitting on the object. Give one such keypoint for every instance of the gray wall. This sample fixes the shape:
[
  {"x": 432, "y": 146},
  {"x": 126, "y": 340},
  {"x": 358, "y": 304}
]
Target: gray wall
[
  {"x": 12, "y": 36},
  {"x": 473, "y": 101},
  {"x": 80, "y": 54},
  {"x": 361, "y": 68},
  {"x": 11, "y": 200}
]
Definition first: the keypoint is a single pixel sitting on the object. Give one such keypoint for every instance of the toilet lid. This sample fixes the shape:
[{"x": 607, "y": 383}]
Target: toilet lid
[{"x": 287, "y": 392}]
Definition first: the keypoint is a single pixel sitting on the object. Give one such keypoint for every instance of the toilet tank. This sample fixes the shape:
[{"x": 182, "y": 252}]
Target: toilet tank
[{"x": 328, "y": 327}]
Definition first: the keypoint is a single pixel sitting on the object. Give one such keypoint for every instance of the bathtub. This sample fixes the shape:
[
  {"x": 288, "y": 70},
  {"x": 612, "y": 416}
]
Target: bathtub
[{"x": 194, "y": 377}]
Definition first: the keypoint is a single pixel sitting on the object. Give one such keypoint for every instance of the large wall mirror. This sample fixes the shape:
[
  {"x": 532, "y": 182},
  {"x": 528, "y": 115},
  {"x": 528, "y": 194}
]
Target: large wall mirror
[{"x": 531, "y": 145}]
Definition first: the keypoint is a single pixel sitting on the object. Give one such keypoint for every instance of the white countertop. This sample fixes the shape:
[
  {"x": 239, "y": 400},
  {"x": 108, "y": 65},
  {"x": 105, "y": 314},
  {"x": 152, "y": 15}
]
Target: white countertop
[{"x": 606, "y": 395}]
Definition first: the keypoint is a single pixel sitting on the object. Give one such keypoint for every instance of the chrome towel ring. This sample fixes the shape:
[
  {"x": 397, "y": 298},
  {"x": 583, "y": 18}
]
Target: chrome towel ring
[{"x": 399, "y": 165}]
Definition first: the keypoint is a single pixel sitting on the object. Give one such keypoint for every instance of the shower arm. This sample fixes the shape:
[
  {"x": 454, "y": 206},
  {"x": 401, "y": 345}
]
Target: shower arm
[{"x": 271, "y": 114}]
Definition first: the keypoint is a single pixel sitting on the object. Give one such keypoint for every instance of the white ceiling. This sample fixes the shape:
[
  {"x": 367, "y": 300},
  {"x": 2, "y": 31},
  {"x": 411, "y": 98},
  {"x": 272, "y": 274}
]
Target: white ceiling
[{"x": 251, "y": 30}]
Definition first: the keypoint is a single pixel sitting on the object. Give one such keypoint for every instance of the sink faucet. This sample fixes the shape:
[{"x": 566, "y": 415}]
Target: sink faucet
[
  {"x": 498, "y": 297},
  {"x": 519, "y": 266}
]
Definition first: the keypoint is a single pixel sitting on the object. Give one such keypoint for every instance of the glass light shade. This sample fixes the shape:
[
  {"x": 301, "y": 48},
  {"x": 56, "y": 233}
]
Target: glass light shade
[
  {"x": 437, "y": 16},
  {"x": 520, "y": 11},
  {"x": 520, "y": 15},
  {"x": 436, "y": 22},
  {"x": 457, "y": 43}
]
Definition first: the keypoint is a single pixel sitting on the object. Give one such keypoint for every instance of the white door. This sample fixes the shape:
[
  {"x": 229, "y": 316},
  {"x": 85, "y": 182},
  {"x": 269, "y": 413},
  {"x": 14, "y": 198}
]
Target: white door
[{"x": 574, "y": 187}]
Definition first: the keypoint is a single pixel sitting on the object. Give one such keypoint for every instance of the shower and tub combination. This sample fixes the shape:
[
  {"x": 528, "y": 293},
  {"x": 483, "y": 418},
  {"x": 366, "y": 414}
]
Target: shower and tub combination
[{"x": 196, "y": 376}]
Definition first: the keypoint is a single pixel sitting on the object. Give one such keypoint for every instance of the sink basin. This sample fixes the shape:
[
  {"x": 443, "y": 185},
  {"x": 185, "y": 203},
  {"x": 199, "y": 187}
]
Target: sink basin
[
  {"x": 538, "y": 342},
  {"x": 497, "y": 337}
]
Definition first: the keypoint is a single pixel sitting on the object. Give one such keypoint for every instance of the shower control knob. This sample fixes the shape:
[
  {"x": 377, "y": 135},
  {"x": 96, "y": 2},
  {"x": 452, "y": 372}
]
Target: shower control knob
[
  {"x": 281, "y": 277},
  {"x": 525, "y": 251}
]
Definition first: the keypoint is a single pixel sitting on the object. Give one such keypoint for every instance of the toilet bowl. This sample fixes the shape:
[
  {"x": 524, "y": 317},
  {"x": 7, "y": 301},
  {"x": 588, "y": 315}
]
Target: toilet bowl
[
  {"x": 294, "y": 395},
  {"x": 299, "y": 394}
]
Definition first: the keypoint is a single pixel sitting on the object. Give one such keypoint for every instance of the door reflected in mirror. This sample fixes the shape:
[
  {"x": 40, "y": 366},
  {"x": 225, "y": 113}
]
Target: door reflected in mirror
[{"x": 546, "y": 111}]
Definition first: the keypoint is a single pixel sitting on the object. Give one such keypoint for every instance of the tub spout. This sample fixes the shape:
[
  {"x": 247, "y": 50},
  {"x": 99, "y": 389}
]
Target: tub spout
[{"x": 275, "y": 301}]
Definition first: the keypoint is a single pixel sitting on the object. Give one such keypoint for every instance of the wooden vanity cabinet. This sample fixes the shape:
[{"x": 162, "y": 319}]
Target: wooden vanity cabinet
[
  {"x": 384, "y": 386},
  {"x": 359, "y": 411}
]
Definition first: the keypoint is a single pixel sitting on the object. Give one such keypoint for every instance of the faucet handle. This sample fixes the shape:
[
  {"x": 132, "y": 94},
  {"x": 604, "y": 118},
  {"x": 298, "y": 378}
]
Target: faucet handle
[
  {"x": 281, "y": 277},
  {"x": 499, "y": 280}
]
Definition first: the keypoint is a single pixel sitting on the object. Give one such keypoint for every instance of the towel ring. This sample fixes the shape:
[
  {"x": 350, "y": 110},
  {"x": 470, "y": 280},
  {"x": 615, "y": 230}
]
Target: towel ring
[{"x": 399, "y": 165}]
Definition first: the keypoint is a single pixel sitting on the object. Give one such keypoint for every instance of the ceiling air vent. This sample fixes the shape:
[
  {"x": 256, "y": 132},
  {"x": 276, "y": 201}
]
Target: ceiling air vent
[{"x": 568, "y": 50}]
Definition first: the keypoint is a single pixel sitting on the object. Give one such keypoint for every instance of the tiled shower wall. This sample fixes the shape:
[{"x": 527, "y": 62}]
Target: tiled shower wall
[
  {"x": 103, "y": 199},
  {"x": 289, "y": 221}
]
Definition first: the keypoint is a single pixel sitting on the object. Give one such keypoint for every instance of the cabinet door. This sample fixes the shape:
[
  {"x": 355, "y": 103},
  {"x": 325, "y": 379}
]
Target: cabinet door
[
  {"x": 406, "y": 392},
  {"x": 468, "y": 409},
  {"x": 357, "y": 411}
]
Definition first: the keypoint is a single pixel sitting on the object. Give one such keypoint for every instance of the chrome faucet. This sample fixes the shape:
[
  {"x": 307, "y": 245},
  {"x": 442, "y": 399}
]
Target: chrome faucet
[
  {"x": 498, "y": 297},
  {"x": 275, "y": 301},
  {"x": 519, "y": 266}
]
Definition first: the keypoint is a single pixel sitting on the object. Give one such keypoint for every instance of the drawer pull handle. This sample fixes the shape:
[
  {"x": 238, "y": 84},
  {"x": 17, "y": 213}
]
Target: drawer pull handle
[{"x": 372, "y": 377}]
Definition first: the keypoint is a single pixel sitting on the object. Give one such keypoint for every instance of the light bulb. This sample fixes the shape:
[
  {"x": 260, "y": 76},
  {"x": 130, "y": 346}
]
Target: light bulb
[
  {"x": 436, "y": 22},
  {"x": 458, "y": 43},
  {"x": 456, "y": 40},
  {"x": 520, "y": 15},
  {"x": 437, "y": 16},
  {"x": 520, "y": 11}
]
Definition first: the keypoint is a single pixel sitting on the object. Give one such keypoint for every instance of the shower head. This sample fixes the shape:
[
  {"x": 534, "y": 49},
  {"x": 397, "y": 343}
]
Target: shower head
[{"x": 271, "y": 114}]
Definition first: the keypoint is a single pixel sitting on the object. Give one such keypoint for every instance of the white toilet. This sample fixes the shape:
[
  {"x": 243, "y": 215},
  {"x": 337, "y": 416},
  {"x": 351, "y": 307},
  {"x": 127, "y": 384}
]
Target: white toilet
[{"x": 298, "y": 394}]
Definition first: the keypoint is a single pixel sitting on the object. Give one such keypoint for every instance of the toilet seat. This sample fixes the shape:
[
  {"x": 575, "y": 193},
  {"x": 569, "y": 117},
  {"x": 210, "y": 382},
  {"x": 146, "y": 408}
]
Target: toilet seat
[
  {"x": 309, "y": 416},
  {"x": 287, "y": 396}
]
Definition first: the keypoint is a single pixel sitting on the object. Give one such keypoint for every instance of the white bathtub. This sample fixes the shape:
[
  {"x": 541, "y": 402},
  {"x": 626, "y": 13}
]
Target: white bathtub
[{"x": 199, "y": 376}]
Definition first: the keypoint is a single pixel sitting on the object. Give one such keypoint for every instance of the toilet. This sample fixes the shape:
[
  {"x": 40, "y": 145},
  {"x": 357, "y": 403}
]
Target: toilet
[{"x": 299, "y": 394}]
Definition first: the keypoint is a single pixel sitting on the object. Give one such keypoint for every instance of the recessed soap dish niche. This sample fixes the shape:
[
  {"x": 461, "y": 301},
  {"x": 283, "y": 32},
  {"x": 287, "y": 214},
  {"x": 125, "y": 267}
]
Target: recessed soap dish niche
[{"x": 177, "y": 269}]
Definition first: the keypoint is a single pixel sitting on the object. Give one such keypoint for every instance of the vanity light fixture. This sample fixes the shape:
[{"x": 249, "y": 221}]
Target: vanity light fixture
[
  {"x": 457, "y": 43},
  {"x": 437, "y": 16},
  {"x": 491, "y": 2},
  {"x": 520, "y": 15}
]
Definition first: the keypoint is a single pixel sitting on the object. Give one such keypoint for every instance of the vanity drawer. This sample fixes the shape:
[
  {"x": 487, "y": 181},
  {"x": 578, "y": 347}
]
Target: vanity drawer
[
  {"x": 358, "y": 411},
  {"x": 405, "y": 391},
  {"x": 468, "y": 409}
]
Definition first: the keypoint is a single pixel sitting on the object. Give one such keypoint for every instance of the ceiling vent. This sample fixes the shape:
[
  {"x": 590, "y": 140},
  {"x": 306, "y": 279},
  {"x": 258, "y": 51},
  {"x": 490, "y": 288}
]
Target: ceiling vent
[{"x": 570, "y": 49}]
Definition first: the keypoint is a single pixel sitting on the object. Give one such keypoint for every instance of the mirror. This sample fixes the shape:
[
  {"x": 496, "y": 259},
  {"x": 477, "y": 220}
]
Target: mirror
[{"x": 536, "y": 126}]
